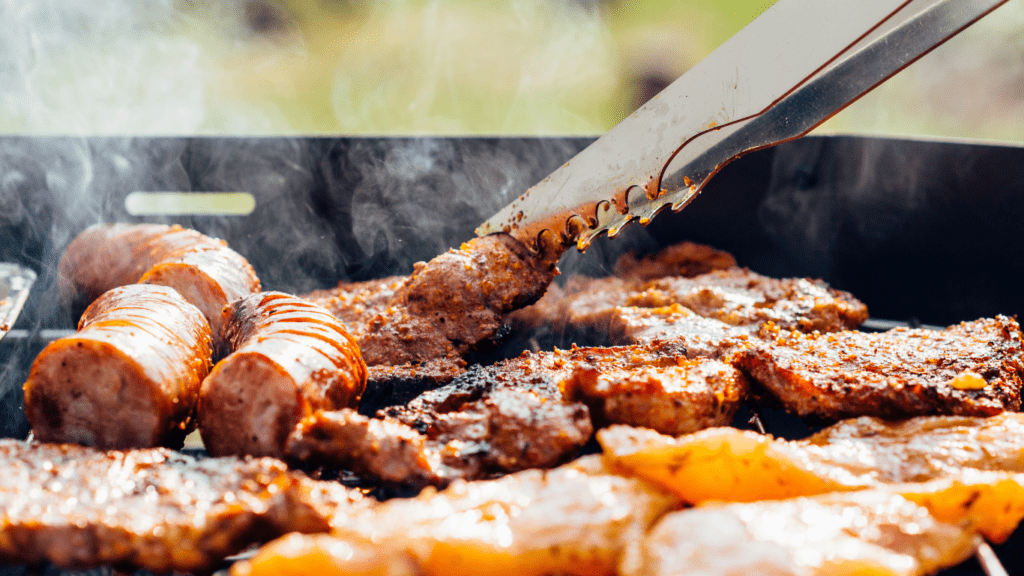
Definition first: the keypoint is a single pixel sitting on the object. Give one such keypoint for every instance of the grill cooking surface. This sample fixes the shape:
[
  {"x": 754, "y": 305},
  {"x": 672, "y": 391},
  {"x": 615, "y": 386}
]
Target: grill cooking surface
[{"x": 923, "y": 232}]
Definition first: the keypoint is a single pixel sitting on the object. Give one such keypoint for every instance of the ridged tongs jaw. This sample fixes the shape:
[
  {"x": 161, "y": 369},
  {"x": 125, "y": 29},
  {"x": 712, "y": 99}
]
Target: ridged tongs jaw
[{"x": 785, "y": 73}]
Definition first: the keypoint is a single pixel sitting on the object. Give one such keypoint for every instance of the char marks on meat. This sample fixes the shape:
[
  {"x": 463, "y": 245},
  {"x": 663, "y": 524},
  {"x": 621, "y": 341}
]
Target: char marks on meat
[
  {"x": 970, "y": 369},
  {"x": 526, "y": 412},
  {"x": 153, "y": 509},
  {"x": 486, "y": 421}
]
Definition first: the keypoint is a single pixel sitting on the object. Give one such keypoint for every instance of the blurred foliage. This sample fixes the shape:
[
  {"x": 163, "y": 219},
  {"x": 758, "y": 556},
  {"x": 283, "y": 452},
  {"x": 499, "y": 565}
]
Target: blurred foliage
[
  {"x": 433, "y": 66},
  {"x": 459, "y": 66}
]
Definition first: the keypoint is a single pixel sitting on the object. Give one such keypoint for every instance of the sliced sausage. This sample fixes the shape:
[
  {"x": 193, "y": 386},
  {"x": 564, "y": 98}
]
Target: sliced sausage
[
  {"x": 291, "y": 358},
  {"x": 202, "y": 269},
  {"x": 130, "y": 376}
]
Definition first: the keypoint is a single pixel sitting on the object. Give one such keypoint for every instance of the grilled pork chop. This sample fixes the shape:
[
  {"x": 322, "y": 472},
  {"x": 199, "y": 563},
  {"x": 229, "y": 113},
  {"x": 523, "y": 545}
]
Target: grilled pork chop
[
  {"x": 972, "y": 369},
  {"x": 153, "y": 509}
]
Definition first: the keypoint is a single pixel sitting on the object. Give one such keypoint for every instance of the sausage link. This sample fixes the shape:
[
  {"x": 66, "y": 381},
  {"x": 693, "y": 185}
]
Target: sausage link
[
  {"x": 291, "y": 358},
  {"x": 202, "y": 269},
  {"x": 130, "y": 376}
]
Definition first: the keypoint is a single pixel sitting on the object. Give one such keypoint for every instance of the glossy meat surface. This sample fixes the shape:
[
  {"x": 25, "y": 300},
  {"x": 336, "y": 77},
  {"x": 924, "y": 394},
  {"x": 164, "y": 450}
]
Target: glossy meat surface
[
  {"x": 202, "y": 269},
  {"x": 870, "y": 532},
  {"x": 130, "y": 376},
  {"x": 972, "y": 369},
  {"x": 153, "y": 509},
  {"x": 575, "y": 519},
  {"x": 507, "y": 431},
  {"x": 290, "y": 358}
]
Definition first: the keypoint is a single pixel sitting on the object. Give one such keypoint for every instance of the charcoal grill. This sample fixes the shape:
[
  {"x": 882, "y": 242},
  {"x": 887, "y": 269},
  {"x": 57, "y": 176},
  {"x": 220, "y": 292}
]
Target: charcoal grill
[{"x": 923, "y": 231}]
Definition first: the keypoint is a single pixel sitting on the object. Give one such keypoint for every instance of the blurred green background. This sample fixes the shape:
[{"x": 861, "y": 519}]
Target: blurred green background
[{"x": 437, "y": 67}]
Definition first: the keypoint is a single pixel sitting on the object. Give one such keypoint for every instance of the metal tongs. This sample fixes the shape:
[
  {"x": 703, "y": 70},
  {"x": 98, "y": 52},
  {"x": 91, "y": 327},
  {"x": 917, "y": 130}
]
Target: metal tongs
[
  {"x": 791, "y": 69},
  {"x": 782, "y": 75}
]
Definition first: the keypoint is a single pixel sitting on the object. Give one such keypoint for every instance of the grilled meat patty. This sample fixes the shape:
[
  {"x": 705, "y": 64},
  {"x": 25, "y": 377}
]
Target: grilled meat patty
[
  {"x": 130, "y": 376},
  {"x": 290, "y": 358},
  {"x": 153, "y": 509},
  {"x": 202, "y": 269},
  {"x": 972, "y": 369}
]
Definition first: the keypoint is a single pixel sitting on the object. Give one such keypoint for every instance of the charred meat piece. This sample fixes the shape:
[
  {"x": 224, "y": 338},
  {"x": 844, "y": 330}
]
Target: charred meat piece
[
  {"x": 740, "y": 297},
  {"x": 446, "y": 307},
  {"x": 575, "y": 519},
  {"x": 540, "y": 374},
  {"x": 130, "y": 376},
  {"x": 202, "y": 269},
  {"x": 527, "y": 412},
  {"x": 291, "y": 358},
  {"x": 508, "y": 431},
  {"x": 153, "y": 509},
  {"x": 871, "y": 532},
  {"x": 970, "y": 369},
  {"x": 467, "y": 292},
  {"x": 691, "y": 396}
]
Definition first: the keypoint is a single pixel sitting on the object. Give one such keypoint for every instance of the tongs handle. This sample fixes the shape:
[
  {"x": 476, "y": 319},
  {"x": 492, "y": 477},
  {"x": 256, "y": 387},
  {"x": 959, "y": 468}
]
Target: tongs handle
[
  {"x": 785, "y": 73},
  {"x": 893, "y": 46}
]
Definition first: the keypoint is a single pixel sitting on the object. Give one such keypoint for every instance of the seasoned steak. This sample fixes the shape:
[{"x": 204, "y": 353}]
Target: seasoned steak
[
  {"x": 691, "y": 396},
  {"x": 153, "y": 509},
  {"x": 508, "y": 431},
  {"x": 686, "y": 259},
  {"x": 740, "y": 297},
  {"x": 652, "y": 299},
  {"x": 489, "y": 420},
  {"x": 970, "y": 369},
  {"x": 702, "y": 337}
]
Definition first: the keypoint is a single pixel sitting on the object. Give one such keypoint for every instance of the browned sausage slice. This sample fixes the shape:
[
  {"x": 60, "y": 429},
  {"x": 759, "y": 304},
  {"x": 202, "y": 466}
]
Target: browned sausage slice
[
  {"x": 130, "y": 376},
  {"x": 202, "y": 269},
  {"x": 291, "y": 358}
]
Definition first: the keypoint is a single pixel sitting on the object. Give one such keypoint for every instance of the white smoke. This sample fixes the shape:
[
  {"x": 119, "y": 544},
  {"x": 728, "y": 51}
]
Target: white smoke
[{"x": 116, "y": 67}]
